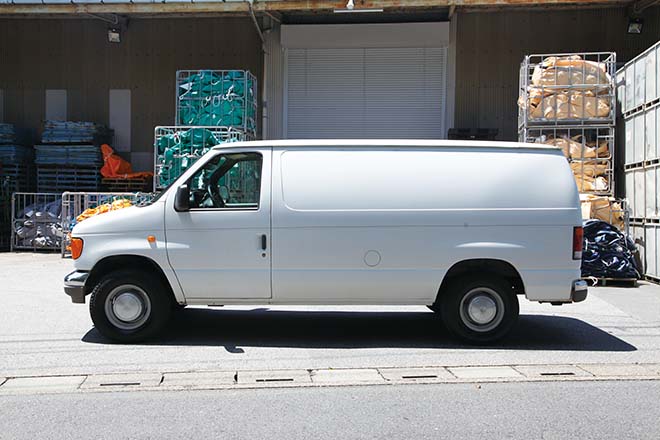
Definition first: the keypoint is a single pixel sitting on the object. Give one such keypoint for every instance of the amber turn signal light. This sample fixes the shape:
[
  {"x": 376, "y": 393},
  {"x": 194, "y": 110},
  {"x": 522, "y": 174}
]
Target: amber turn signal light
[{"x": 76, "y": 247}]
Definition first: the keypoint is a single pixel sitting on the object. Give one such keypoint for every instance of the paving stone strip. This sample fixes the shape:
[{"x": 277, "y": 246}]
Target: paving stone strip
[{"x": 209, "y": 380}]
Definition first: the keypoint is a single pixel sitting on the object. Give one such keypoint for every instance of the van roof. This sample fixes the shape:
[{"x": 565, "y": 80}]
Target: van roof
[{"x": 388, "y": 143}]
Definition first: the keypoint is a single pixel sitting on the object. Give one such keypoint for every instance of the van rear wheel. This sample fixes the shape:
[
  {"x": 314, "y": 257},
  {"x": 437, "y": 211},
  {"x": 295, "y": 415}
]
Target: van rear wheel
[
  {"x": 130, "y": 306},
  {"x": 481, "y": 310}
]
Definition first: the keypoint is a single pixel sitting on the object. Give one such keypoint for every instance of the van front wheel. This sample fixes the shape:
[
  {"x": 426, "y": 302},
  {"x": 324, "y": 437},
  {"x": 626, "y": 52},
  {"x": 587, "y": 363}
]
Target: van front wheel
[
  {"x": 129, "y": 306},
  {"x": 479, "y": 310}
]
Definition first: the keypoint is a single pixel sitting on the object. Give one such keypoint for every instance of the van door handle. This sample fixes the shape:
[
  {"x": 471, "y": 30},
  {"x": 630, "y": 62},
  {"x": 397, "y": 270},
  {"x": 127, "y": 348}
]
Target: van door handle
[{"x": 264, "y": 242}]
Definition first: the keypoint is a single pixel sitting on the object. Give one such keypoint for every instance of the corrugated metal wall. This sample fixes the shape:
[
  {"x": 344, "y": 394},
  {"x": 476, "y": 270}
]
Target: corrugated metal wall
[
  {"x": 491, "y": 45},
  {"x": 74, "y": 54}
]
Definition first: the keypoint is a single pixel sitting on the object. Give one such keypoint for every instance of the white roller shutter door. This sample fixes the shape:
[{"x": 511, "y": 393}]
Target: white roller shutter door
[{"x": 365, "y": 93}]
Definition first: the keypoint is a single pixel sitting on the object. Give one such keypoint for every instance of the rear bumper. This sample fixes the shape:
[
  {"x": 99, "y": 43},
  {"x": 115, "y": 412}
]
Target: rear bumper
[
  {"x": 74, "y": 286},
  {"x": 579, "y": 291}
]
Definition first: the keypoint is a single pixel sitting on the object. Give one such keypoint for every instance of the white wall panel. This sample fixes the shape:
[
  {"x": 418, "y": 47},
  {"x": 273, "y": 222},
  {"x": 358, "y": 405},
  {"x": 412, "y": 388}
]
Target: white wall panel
[
  {"x": 638, "y": 137},
  {"x": 120, "y": 118},
  {"x": 650, "y": 134},
  {"x": 640, "y": 197},
  {"x": 56, "y": 105},
  {"x": 629, "y": 129},
  {"x": 652, "y": 241},
  {"x": 651, "y": 192}
]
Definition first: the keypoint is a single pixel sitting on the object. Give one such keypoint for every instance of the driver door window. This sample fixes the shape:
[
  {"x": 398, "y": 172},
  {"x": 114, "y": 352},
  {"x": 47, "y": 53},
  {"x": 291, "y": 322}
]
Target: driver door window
[{"x": 227, "y": 181}]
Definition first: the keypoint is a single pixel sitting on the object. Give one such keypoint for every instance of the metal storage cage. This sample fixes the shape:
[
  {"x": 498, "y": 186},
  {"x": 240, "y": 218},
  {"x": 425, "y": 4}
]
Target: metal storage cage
[
  {"x": 639, "y": 98},
  {"x": 588, "y": 149},
  {"x": 642, "y": 81},
  {"x": 574, "y": 88},
  {"x": 36, "y": 221},
  {"x": 642, "y": 191},
  {"x": 75, "y": 203},
  {"x": 177, "y": 148},
  {"x": 217, "y": 98},
  {"x": 642, "y": 135}
]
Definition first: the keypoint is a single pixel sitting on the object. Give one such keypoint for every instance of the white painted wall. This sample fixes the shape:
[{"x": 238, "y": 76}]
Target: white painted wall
[{"x": 56, "y": 105}]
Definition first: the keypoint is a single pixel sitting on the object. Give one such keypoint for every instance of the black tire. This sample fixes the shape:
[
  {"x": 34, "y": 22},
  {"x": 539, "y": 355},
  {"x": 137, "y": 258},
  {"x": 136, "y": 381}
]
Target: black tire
[
  {"x": 458, "y": 316},
  {"x": 154, "y": 299}
]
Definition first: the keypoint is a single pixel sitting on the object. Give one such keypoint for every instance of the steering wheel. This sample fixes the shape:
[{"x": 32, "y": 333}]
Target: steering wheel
[{"x": 214, "y": 193}]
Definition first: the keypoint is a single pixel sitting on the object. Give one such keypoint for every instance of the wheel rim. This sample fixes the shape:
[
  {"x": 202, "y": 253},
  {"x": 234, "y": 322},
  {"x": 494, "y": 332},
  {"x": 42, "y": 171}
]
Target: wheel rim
[
  {"x": 127, "y": 307},
  {"x": 482, "y": 309}
]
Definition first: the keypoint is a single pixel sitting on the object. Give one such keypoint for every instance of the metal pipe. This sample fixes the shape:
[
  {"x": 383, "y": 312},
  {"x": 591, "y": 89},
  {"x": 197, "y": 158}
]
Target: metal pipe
[
  {"x": 256, "y": 25},
  {"x": 639, "y": 6},
  {"x": 107, "y": 20}
]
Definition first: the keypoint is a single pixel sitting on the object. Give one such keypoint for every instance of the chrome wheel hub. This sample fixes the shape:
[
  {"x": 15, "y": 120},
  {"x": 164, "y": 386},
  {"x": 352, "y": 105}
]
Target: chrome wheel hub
[
  {"x": 482, "y": 309},
  {"x": 127, "y": 307}
]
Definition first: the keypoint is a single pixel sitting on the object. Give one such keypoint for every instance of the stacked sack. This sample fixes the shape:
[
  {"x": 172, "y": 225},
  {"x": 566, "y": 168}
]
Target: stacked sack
[
  {"x": 607, "y": 209},
  {"x": 588, "y": 161},
  {"x": 568, "y": 88}
]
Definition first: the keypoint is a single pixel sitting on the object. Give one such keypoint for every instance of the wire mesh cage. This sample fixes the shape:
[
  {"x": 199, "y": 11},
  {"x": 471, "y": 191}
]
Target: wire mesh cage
[
  {"x": 78, "y": 206},
  {"x": 575, "y": 88},
  {"x": 589, "y": 151},
  {"x": 217, "y": 98},
  {"x": 608, "y": 209},
  {"x": 178, "y": 148},
  {"x": 36, "y": 221}
]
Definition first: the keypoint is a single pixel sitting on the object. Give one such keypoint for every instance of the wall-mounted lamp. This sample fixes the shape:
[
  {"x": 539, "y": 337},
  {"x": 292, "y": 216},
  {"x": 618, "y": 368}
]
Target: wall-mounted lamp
[
  {"x": 635, "y": 25},
  {"x": 350, "y": 8},
  {"x": 114, "y": 36}
]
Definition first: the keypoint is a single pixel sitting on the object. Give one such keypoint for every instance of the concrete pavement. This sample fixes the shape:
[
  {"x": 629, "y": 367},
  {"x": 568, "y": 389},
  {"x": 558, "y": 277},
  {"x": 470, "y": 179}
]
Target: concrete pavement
[{"x": 43, "y": 334}]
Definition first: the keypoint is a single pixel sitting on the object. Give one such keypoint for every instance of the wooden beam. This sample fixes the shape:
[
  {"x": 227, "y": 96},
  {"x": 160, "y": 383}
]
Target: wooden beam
[{"x": 281, "y": 6}]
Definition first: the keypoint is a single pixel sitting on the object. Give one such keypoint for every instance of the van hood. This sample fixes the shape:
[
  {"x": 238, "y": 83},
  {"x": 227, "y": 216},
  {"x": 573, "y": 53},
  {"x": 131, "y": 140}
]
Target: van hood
[{"x": 132, "y": 219}]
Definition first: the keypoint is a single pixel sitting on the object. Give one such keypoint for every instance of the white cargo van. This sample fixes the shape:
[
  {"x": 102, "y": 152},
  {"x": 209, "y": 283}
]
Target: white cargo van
[{"x": 462, "y": 227}]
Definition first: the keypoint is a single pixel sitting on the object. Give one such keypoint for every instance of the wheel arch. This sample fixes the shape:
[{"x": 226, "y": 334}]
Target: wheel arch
[
  {"x": 132, "y": 262},
  {"x": 484, "y": 266}
]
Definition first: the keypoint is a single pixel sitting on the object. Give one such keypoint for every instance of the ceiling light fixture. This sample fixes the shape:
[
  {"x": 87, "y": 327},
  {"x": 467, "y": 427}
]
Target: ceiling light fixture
[
  {"x": 350, "y": 9},
  {"x": 114, "y": 35},
  {"x": 635, "y": 25}
]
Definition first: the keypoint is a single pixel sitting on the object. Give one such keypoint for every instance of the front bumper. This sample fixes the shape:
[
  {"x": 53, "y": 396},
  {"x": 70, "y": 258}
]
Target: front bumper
[
  {"x": 579, "y": 291},
  {"x": 74, "y": 286}
]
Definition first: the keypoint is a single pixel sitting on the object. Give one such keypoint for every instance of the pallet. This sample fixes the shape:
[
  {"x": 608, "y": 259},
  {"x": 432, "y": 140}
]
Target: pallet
[
  {"x": 615, "y": 282},
  {"x": 20, "y": 176},
  {"x": 127, "y": 185},
  {"x": 62, "y": 178},
  {"x": 652, "y": 279}
]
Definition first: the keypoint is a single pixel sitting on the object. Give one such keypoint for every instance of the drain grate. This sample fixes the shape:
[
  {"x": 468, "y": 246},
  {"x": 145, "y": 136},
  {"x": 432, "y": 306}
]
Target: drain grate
[
  {"x": 421, "y": 376},
  {"x": 120, "y": 384},
  {"x": 559, "y": 373},
  {"x": 276, "y": 379}
]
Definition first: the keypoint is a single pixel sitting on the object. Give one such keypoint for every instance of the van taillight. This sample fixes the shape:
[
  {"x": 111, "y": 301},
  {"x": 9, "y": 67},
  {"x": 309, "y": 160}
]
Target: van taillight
[{"x": 578, "y": 235}]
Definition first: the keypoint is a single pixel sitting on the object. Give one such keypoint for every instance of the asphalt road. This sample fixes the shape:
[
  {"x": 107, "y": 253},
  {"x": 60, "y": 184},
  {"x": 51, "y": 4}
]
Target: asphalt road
[
  {"x": 43, "y": 333},
  {"x": 585, "y": 410}
]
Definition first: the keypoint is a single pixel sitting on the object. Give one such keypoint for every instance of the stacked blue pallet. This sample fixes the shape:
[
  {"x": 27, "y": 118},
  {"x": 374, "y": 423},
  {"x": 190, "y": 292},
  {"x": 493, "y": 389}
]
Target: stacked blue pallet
[
  {"x": 69, "y": 132},
  {"x": 15, "y": 161},
  {"x": 69, "y": 158}
]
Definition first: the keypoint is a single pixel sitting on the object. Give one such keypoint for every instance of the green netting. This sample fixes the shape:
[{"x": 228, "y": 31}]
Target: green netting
[
  {"x": 178, "y": 149},
  {"x": 217, "y": 98}
]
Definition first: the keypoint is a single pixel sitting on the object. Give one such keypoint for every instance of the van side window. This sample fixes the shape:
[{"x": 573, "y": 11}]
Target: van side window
[{"x": 229, "y": 181}]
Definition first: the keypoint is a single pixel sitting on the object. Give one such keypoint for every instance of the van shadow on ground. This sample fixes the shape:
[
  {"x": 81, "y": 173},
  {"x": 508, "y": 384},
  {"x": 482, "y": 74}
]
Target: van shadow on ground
[{"x": 336, "y": 329}]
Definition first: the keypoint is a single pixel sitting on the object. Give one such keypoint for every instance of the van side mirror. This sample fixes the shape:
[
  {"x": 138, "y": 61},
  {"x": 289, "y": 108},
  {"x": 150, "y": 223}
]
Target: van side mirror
[{"x": 182, "y": 199}]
